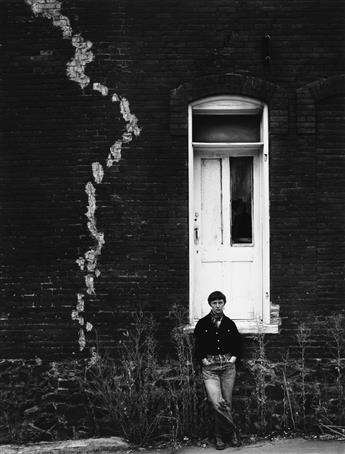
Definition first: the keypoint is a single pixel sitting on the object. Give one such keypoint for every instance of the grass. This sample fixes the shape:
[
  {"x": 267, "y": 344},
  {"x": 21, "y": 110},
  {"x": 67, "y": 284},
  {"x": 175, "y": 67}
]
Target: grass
[{"x": 146, "y": 400}]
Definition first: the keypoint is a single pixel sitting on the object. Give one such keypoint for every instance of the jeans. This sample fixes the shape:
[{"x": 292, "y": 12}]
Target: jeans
[{"x": 219, "y": 379}]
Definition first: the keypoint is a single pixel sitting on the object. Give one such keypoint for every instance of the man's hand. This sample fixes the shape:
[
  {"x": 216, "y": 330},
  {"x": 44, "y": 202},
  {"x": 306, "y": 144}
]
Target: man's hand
[{"x": 205, "y": 362}]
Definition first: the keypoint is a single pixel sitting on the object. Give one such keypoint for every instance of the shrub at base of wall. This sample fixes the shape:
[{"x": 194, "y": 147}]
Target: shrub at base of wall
[{"x": 144, "y": 399}]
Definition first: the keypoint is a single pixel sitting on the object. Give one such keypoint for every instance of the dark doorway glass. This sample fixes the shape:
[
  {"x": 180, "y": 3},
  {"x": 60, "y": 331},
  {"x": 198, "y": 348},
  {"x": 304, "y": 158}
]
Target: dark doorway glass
[
  {"x": 241, "y": 187},
  {"x": 226, "y": 128}
]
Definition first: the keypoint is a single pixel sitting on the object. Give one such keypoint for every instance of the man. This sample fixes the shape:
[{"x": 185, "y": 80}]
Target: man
[{"x": 217, "y": 347}]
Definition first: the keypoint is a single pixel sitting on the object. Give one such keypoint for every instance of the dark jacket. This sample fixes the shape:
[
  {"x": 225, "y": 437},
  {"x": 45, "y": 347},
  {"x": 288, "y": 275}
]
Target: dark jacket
[{"x": 210, "y": 340}]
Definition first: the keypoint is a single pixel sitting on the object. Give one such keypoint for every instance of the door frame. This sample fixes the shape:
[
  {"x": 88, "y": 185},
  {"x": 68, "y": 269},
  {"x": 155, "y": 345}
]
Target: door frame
[{"x": 233, "y": 103}]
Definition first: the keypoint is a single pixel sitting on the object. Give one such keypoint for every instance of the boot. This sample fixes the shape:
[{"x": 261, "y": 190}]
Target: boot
[
  {"x": 220, "y": 445},
  {"x": 236, "y": 439}
]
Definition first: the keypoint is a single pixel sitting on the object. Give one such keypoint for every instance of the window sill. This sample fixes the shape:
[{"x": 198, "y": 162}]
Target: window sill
[{"x": 245, "y": 327}]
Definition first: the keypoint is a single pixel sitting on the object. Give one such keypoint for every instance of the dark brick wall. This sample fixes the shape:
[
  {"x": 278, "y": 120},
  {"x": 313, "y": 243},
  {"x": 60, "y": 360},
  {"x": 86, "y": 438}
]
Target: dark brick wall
[
  {"x": 330, "y": 165},
  {"x": 53, "y": 131}
]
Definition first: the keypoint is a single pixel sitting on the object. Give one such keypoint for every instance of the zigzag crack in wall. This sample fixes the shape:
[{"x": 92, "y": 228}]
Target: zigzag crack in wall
[{"x": 75, "y": 70}]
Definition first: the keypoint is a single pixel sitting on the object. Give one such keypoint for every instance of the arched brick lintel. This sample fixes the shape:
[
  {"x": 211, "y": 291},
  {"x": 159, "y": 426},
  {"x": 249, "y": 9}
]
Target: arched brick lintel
[
  {"x": 228, "y": 84},
  {"x": 307, "y": 97}
]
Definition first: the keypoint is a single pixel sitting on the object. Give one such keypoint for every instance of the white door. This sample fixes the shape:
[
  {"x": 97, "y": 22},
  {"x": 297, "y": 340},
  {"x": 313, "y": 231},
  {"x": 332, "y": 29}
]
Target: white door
[{"x": 227, "y": 236}]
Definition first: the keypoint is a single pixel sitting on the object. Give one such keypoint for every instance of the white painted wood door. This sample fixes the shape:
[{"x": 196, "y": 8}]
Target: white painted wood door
[{"x": 219, "y": 262}]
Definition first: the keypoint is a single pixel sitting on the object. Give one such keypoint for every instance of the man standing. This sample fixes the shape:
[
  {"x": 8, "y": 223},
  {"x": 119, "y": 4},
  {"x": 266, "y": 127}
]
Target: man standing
[{"x": 217, "y": 347}]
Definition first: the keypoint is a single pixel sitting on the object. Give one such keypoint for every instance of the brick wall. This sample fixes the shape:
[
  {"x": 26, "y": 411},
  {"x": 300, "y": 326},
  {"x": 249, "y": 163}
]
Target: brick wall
[
  {"x": 330, "y": 165},
  {"x": 54, "y": 131}
]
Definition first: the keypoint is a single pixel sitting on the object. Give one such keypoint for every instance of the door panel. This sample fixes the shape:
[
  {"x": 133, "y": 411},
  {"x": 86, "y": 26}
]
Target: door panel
[
  {"x": 232, "y": 265},
  {"x": 211, "y": 178}
]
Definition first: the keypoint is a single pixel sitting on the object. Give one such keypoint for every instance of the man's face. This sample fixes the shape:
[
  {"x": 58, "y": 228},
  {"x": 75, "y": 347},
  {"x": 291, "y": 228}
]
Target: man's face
[{"x": 217, "y": 306}]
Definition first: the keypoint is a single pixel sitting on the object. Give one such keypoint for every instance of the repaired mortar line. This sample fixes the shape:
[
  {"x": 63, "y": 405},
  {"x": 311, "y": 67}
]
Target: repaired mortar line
[{"x": 75, "y": 69}]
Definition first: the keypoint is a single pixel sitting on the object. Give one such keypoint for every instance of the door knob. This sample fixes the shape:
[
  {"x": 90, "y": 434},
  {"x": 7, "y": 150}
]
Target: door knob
[{"x": 196, "y": 235}]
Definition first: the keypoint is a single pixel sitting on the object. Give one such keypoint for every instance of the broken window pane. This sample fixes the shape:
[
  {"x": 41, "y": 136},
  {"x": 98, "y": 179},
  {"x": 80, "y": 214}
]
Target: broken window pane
[
  {"x": 241, "y": 187},
  {"x": 226, "y": 128}
]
